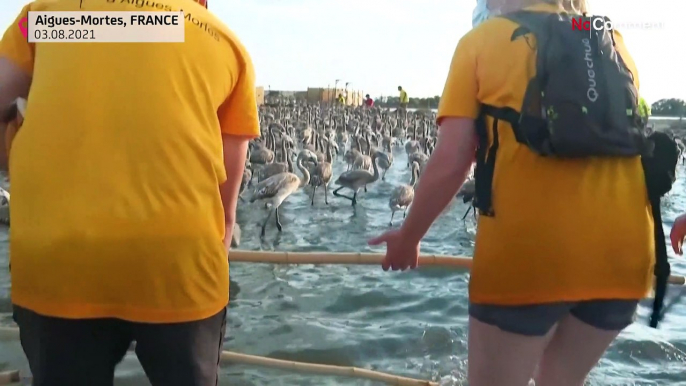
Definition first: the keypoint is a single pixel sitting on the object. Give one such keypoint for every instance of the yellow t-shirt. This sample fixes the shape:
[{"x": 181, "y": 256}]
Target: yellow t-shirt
[
  {"x": 116, "y": 210},
  {"x": 564, "y": 230},
  {"x": 403, "y": 97}
]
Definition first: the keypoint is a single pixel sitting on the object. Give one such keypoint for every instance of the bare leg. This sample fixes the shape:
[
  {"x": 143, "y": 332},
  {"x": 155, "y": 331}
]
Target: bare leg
[
  {"x": 496, "y": 357},
  {"x": 575, "y": 348},
  {"x": 278, "y": 223},
  {"x": 264, "y": 224}
]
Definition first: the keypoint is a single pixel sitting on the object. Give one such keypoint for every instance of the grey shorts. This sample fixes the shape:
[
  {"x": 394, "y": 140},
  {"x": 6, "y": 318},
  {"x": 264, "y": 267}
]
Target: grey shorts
[{"x": 537, "y": 320}]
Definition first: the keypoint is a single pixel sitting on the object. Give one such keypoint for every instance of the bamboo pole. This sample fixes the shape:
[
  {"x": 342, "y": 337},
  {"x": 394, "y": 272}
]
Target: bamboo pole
[
  {"x": 351, "y": 372},
  {"x": 240, "y": 256}
]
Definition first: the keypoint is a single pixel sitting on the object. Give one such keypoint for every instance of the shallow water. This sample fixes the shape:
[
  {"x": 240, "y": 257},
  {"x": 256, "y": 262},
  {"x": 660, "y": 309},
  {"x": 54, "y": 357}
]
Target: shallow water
[{"x": 411, "y": 324}]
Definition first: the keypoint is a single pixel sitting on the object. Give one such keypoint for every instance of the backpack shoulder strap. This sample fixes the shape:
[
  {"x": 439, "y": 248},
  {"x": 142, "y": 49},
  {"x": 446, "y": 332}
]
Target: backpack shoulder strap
[{"x": 535, "y": 22}]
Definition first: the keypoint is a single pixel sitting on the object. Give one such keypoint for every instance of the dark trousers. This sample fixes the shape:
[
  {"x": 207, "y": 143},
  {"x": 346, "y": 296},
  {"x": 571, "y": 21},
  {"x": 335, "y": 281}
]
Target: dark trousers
[{"x": 84, "y": 352}]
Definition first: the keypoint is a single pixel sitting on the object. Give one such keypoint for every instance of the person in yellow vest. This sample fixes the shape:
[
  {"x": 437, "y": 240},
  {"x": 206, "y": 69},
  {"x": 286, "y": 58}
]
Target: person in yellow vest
[
  {"x": 565, "y": 249},
  {"x": 124, "y": 191},
  {"x": 644, "y": 110},
  {"x": 341, "y": 99},
  {"x": 404, "y": 99}
]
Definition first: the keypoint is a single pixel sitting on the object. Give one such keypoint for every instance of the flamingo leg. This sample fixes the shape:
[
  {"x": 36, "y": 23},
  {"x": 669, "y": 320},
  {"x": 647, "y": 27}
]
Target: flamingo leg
[
  {"x": 264, "y": 224},
  {"x": 467, "y": 212},
  {"x": 326, "y": 194},
  {"x": 314, "y": 189},
  {"x": 390, "y": 224},
  {"x": 278, "y": 223},
  {"x": 335, "y": 193}
]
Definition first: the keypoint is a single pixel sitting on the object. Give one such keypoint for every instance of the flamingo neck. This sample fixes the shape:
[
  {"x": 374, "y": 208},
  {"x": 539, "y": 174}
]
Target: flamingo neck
[{"x": 306, "y": 173}]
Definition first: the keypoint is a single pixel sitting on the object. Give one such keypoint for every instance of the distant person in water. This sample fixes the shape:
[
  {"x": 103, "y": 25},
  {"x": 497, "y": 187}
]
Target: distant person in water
[
  {"x": 644, "y": 110},
  {"x": 404, "y": 99},
  {"x": 369, "y": 102},
  {"x": 130, "y": 241}
]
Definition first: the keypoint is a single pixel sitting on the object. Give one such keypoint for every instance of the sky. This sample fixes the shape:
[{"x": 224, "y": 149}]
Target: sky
[{"x": 377, "y": 45}]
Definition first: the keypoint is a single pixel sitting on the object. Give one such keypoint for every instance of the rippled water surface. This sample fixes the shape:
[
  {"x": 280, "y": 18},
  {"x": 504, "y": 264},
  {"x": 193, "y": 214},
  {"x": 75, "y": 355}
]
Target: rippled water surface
[{"x": 412, "y": 324}]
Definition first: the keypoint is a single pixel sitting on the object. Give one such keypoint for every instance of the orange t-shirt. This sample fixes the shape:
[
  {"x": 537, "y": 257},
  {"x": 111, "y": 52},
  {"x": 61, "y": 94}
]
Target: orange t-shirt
[
  {"x": 564, "y": 230},
  {"x": 116, "y": 210}
]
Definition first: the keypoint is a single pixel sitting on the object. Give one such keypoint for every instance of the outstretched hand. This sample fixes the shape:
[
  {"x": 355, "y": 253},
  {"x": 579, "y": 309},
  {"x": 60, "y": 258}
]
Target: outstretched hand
[
  {"x": 400, "y": 253},
  {"x": 678, "y": 233}
]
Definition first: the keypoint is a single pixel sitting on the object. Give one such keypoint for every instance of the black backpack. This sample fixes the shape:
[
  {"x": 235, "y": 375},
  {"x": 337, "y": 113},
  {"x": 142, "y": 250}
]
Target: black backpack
[{"x": 581, "y": 103}]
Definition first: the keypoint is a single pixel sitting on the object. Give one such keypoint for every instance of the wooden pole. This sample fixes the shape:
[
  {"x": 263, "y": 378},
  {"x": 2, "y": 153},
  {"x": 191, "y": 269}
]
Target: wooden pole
[
  {"x": 356, "y": 258},
  {"x": 351, "y": 372}
]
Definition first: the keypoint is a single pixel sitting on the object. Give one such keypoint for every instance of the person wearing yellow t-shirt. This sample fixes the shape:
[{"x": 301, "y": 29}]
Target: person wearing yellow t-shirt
[
  {"x": 404, "y": 99},
  {"x": 644, "y": 109},
  {"x": 341, "y": 99},
  {"x": 125, "y": 177},
  {"x": 559, "y": 268}
]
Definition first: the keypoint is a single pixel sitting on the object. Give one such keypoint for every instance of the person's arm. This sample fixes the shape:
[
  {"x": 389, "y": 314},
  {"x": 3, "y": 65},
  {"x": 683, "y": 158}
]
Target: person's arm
[
  {"x": 16, "y": 69},
  {"x": 239, "y": 122},
  {"x": 452, "y": 158},
  {"x": 235, "y": 149},
  {"x": 14, "y": 83}
]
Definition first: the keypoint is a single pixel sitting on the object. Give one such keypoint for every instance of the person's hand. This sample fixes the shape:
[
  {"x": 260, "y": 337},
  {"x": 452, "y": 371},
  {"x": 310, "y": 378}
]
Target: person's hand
[
  {"x": 228, "y": 236},
  {"x": 400, "y": 252},
  {"x": 678, "y": 233}
]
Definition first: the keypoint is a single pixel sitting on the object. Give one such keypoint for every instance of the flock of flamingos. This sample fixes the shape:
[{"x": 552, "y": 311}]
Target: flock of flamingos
[
  {"x": 299, "y": 145},
  {"x": 316, "y": 137}
]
